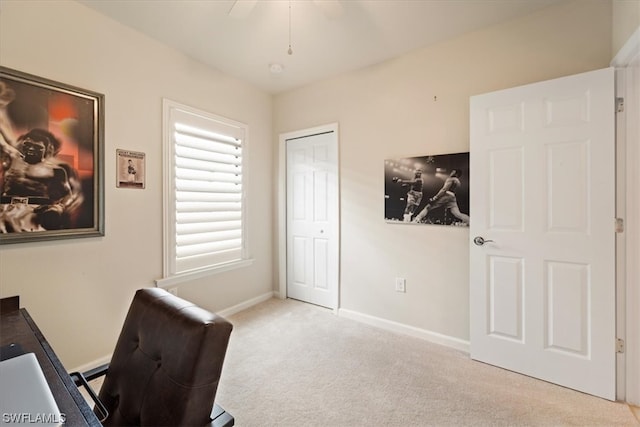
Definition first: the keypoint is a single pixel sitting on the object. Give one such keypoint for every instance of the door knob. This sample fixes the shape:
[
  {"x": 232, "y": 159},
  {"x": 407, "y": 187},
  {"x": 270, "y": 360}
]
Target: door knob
[{"x": 479, "y": 240}]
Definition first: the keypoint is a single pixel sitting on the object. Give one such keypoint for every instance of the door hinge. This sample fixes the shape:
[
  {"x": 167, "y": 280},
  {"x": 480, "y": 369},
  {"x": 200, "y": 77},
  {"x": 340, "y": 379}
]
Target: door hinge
[
  {"x": 619, "y": 225},
  {"x": 619, "y": 345},
  {"x": 619, "y": 105}
]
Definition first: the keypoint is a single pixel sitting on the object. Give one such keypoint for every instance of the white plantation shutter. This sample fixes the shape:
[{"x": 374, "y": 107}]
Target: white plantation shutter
[{"x": 205, "y": 212}]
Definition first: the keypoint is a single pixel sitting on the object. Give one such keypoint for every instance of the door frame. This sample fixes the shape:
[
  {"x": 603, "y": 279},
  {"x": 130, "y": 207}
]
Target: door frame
[
  {"x": 282, "y": 204},
  {"x": 628, "y": 208}
]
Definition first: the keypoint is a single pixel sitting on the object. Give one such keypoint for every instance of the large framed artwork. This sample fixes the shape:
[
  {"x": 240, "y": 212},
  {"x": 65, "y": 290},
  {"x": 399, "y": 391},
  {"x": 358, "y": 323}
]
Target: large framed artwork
[
  {"x": 427, "y": 190},
  {"x": 51, "y": 159}
]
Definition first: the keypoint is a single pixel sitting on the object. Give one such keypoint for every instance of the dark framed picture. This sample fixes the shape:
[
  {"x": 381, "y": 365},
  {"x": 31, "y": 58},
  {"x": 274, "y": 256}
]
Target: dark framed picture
[
  {"x": 130, "y": 169},
  {"x": 51, "y": 159},
  {"x": 427, "y": 190}
]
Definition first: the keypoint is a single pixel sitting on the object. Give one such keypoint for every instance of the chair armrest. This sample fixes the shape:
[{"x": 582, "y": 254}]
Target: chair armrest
[
  {"x": 80, "y": 380},
  {"x": 220, "y": 418},
  {"x": 94, "y": 373}
]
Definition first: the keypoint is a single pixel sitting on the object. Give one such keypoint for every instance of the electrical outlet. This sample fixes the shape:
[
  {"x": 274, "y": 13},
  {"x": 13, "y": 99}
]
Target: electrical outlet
[
  {"x": 173, "y": 290},
  {"x": 401, "y": 284}
]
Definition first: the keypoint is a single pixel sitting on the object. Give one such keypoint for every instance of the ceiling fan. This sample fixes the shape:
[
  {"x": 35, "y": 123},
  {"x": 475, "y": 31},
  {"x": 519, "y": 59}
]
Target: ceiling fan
[{"x": 332, "y": 9}]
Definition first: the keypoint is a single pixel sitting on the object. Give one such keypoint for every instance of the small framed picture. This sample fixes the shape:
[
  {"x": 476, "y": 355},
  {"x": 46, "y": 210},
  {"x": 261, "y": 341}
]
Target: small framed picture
[{"x": 130, "y": 169}]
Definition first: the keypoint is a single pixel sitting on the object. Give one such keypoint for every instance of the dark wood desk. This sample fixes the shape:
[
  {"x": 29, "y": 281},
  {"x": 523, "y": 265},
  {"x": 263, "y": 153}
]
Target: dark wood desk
[{"x": 17, "y": 327}]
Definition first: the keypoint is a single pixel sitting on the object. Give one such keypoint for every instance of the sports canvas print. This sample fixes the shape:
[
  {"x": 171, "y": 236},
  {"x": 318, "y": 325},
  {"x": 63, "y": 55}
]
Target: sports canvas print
[{"x": 427, "y": 190}]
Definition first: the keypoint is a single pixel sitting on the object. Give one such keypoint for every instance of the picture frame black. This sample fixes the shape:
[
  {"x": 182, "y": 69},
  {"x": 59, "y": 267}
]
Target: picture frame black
[{"x": 51, "y": 159}]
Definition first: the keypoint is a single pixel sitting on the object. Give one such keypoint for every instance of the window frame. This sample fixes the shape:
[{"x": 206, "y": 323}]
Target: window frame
[{"x": 170, "y": 275}]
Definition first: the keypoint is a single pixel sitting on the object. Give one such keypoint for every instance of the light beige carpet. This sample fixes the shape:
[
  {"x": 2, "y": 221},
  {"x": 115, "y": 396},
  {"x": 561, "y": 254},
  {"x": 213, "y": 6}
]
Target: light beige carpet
[{"x": 295, "y": 364}]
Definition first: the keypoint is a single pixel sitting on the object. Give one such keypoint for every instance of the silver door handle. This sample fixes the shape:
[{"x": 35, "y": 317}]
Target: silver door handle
[{"x": 479, "y": 241}]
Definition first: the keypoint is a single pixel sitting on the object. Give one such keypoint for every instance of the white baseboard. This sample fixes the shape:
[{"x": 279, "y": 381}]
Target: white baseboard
[
  {"x": 93, "y": 364},
  {"x": 226, "y": 312},
  {"x": 246, "y": 304},
  {"x": 401, "y": 328},
  {"x": 378, "y": 322}
]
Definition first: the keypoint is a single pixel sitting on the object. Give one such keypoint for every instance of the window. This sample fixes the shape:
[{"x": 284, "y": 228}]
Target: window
[{"x": 204, "y": 222}]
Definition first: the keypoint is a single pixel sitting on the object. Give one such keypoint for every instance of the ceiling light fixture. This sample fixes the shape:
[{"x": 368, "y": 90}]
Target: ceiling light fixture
[
  {"x": 290, "y": 51},
  {"x": 276, "y": 68}
]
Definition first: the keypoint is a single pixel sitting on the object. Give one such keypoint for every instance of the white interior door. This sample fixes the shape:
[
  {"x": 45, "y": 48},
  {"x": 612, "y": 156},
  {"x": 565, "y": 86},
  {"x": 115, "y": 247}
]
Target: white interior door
[
  {"x": 542, "y": 287},
  {"x": 312, "y": 218}
]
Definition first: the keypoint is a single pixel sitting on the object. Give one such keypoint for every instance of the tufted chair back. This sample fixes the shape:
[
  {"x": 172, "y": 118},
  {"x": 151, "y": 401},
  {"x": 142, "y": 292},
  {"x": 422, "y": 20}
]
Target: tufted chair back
[{"x": 167, "y": 362}]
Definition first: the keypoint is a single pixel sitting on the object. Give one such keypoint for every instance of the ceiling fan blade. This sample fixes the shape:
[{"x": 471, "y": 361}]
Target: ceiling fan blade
[
  {"x": 242, "y": 8},
  {"x": 332, "y": 9}
]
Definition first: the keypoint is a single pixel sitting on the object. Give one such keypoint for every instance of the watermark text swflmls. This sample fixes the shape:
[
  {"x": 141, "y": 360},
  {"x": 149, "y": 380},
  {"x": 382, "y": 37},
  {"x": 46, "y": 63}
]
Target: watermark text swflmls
[{"x": 29, "y": 418}]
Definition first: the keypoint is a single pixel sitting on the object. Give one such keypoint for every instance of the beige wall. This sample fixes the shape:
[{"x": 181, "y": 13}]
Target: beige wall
[
  {"x": 78, "y": 290},
  {"x": 388, "y": 111},
  {"x": 626, "y": 20}
]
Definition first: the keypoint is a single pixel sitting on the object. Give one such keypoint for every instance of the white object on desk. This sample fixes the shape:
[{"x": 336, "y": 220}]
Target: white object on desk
[{"x": 25, "y": 396}]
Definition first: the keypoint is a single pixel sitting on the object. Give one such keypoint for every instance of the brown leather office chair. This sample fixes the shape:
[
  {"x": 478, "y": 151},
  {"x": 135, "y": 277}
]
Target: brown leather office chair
[
  {"x": 166, "y": 365},
  {"x": 9, "y": 304}
]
